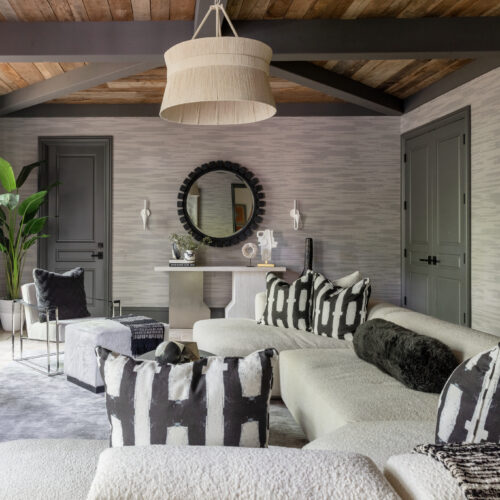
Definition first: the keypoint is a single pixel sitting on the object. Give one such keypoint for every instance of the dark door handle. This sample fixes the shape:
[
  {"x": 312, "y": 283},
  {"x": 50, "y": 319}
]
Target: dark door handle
[
  {"x": 99, "y": 255},
  {"x": 434, "y": 260},
  {"x": 428, "y": 260}
]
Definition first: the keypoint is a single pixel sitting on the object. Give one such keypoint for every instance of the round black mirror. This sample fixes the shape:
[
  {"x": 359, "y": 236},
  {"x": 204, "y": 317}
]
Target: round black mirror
[{"x": 221, "y": 200}]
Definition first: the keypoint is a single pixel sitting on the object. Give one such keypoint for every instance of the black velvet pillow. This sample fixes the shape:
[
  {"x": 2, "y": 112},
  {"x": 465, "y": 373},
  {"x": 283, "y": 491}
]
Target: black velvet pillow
[
  {"x": 64, "y": 291},
  {"x": 419, "y": 362}
]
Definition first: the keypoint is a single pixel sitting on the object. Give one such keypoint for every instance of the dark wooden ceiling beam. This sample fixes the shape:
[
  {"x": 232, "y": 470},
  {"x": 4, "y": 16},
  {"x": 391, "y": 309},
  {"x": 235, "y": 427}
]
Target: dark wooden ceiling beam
[
  {"x": 127, "y": 110},
  {"x": 453, "y": 80},
  {"x": 291, "y": 40},
  {"x": 330, "y": 83},
  {"x": 72, "y": 81}
]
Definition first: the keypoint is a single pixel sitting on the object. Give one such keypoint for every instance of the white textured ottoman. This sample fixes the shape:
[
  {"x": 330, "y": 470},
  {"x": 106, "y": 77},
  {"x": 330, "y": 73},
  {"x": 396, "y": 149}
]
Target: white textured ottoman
[
  {"x": 80, "y": 364},
  {"x": 418, "y": 477},
  {"x": 218, "y": 473},
  {"x": 55, "y": 469}
]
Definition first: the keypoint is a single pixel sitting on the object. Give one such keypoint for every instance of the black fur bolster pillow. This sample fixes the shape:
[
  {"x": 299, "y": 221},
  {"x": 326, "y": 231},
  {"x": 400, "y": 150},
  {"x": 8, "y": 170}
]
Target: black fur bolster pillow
[{"x": 419, "y": 362}]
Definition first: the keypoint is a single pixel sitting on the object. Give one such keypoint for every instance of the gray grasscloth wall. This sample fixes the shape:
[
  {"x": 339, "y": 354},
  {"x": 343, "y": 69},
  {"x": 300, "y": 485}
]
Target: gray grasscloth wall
[
  {"x": 343, "y": 171},
  {"x": 483, "y": 95}
]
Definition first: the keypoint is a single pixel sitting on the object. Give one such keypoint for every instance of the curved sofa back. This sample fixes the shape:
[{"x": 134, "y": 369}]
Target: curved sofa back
[{"x": 463, "y": 341}]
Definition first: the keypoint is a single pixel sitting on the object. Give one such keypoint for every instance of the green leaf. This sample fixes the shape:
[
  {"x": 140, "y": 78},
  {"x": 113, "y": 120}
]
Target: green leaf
[
  {"x": 4, "y": 241},
  {"x": 3, "y": 249},
  {"x": 3, "y": 217},
  {"x": 26, "y": 171},
  {"x": 33, "y": 240},
  {"x": 9, "y": 200},
  {"x": 34, "y": 226},
  {"x": 31, "y": 204},
  {"x": 7, "y": 178}
]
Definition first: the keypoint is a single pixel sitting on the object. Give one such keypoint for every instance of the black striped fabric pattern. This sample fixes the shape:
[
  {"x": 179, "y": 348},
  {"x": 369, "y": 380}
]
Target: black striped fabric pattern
[
  {"x": 338, "y": 311},
  {"x": 289, "y": 305},
  {"x": 146, "y": 333},
  {"x": 469, "y": 405},
  {"x": 213, "y": 401},
  {"x": 476, "y": 467}
]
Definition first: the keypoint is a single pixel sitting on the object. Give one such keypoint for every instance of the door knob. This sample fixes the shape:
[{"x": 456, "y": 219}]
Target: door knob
[
  {"x": 435, "y": 260},
  {"x": 428, "y": 260},
  {"x": 99, "y": 255}
]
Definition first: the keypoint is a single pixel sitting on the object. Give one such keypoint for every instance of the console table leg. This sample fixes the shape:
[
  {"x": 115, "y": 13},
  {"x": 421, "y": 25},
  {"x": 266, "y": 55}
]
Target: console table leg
[
  {"x": 186, "y": 304},
  {"x": 245, "y": 286}
]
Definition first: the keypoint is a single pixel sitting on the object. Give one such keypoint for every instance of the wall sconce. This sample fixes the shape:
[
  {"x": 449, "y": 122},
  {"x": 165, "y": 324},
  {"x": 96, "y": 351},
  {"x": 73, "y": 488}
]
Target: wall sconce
[
  {"x": 145, "y": 214},
  {"x": 295, "y": 215}
]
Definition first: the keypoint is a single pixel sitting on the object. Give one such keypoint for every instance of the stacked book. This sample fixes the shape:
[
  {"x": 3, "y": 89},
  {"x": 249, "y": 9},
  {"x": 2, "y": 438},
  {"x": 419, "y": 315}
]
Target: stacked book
[{"x": 181, "y": 263}]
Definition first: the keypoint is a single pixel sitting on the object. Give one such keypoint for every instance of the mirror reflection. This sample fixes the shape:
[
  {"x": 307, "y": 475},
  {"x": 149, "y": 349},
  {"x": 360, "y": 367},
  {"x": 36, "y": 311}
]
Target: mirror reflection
[{"x": 220, "y": 203}]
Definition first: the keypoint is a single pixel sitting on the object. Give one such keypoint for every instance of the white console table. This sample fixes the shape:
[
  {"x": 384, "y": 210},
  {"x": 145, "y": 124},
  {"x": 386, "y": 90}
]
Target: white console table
[{"x": 186, "y": 305}]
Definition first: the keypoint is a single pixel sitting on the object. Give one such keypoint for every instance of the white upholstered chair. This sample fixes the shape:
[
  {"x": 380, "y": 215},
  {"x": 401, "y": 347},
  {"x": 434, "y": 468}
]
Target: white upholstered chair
[{"x": 50, "y": 332}]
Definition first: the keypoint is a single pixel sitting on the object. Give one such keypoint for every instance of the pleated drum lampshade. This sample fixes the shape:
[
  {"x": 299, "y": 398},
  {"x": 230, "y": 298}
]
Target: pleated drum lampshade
[{"x": 218, "y": 80}]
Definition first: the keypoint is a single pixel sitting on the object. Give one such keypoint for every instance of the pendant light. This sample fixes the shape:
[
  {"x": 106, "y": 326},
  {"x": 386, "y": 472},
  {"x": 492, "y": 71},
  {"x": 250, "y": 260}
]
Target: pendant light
[{"x": 219, "y": 80}]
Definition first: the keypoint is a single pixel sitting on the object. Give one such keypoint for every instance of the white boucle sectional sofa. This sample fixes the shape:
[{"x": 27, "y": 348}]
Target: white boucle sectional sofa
[{"x": 342, "y": 402}]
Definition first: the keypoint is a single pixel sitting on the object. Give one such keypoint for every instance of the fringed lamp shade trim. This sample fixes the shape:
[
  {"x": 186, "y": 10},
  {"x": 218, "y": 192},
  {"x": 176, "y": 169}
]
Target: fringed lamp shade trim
[{"x": 218, "y": 81}]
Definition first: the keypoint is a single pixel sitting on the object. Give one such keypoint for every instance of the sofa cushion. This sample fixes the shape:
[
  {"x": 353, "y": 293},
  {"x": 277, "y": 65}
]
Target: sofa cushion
[
  {"x": 65, "y": 291},
  {"x": 328, "y": 388},
  {"x": 213, "y": 401},
  {"x": 377, "y": 440},
  {"x": 419, "y": 362},
  {"x": 59, "y": 469},
  {"x": 239, "y": 337},
  {"x": 338, "y": 311},
  {"x": 288, "y": 305},
  {"x": 464, "y": 342},
  {"x": 469, "y": 406},
  {"x": 159, "y": 472},
  {"x": 418, "y": 477}
]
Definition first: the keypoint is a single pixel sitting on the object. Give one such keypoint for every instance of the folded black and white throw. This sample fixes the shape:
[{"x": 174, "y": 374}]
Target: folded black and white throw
[
  {"x": 476, "y": 467},
  {"x": 146, "y": 333}
]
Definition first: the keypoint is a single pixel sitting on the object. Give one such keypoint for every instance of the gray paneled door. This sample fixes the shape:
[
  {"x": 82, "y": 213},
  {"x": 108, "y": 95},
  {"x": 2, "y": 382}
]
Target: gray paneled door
[
  {"x": 436, "y": 222},
  {"x": 79, "y": 211}
]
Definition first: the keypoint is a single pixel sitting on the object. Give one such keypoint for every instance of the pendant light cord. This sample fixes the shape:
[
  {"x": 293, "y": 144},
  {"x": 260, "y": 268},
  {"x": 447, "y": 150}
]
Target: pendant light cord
[{"x": 218, "y": 8}]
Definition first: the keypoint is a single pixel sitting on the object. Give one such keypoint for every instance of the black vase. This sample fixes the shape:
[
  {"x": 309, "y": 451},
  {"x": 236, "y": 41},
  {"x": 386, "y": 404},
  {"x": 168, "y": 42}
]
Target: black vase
[
  {"x": 175, "y": 251},
  {"x": 308, "y": 256}
]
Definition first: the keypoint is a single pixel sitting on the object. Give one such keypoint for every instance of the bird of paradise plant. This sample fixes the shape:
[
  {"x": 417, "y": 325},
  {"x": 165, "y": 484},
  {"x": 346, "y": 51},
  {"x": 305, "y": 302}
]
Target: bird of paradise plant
[{"x": 20, "y": 228}]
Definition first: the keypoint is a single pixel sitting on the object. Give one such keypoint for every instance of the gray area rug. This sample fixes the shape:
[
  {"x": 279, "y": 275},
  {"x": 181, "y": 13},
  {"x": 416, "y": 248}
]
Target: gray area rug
[{"x": 34, "y": 406}]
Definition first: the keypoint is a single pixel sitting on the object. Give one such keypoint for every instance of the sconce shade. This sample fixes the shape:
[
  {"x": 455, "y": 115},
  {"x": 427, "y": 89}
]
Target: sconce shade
[{"x": 218, "y": 81}]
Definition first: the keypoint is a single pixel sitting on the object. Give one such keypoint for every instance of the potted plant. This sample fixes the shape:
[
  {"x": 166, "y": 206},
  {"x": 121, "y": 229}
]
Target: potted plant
[
  {"x": 187, "y": 245},
  {"x": 20, "y": 229}
]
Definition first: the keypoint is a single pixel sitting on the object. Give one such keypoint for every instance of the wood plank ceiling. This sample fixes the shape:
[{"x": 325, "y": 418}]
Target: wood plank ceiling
[
  {"x": 401, "y": 78},
  {"x": 148, "y": 87}
]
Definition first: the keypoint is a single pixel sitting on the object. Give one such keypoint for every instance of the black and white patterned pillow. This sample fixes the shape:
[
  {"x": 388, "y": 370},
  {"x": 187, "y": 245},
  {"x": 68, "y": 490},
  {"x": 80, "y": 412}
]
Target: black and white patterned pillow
[
  {"x": 288, "y": 305},
  {"x": 213, "y": 401},
  {"x": 338, "y": 311},
  {"x": 469, "y": 405}
]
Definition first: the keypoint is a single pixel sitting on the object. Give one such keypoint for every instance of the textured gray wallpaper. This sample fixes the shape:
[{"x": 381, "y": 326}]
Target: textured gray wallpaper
[
  {"x": 483, "y": 95},
  {"x": 343, "y": 171}
]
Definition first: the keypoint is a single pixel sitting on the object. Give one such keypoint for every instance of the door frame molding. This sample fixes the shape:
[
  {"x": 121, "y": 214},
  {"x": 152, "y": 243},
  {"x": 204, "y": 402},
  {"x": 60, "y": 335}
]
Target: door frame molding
[
  {"x": 107, "y": 141},
  {"x": 460, "y": 114}
]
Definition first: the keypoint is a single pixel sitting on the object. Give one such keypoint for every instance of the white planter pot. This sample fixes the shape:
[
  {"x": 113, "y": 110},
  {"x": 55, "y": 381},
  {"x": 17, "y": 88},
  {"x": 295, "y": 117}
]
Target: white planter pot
[
  {"x": 189, "y": 255},
  {"x": 6, "y": 315}
]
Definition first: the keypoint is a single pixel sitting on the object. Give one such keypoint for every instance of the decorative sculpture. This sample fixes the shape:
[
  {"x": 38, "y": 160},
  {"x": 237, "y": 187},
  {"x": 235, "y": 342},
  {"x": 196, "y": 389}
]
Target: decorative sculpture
[
  {"x": 267, "y": 243},
  {"x": 145, "y": 213},
  {"x": 249, "y": 251}
]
